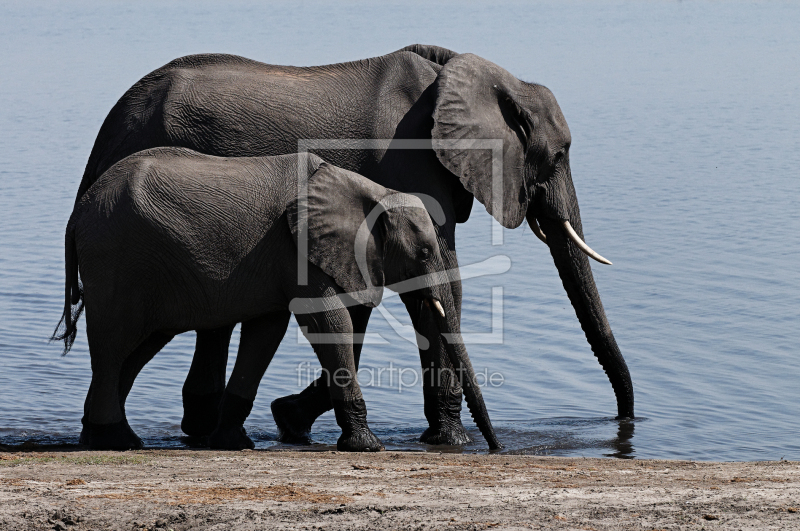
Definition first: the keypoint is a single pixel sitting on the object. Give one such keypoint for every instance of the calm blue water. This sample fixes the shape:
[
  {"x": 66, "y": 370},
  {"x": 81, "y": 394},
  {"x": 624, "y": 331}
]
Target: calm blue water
[{"x": 685, "y": 119}]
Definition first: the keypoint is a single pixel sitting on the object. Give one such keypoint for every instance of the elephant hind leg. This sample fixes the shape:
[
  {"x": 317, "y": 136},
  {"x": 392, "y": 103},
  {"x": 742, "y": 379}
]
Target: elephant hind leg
[
  {"x": 260, "y": 338},
  {"x": 134, "y": 363},
  {"x": 205, "y": 383},
  {"x": 104, "y": 424}
]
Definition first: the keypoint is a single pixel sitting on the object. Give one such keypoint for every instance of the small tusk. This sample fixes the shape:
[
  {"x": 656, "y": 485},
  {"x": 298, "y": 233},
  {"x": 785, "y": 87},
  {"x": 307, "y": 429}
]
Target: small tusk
[
  {"x": 537, "y": 230},
  {"x": 582, "y": 245},
  {"x": 438, "y": 306}
]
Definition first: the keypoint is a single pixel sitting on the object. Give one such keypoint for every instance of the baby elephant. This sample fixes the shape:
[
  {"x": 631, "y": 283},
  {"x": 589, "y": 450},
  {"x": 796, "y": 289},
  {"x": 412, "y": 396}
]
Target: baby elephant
[{"x": 169, "y": 240}]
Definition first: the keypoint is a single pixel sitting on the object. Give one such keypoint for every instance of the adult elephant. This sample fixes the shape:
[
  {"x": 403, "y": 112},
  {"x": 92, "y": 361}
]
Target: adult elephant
[{"x": 231, "y": 106}]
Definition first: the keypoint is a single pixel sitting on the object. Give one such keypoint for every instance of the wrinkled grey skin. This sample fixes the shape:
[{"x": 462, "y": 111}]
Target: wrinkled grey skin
[
  {"x": 170, "y": 240},
  {"x": 231, "y": 106}
]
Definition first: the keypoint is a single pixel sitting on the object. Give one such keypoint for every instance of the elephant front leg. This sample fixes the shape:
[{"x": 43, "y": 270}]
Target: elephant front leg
[
  {"x": 295, "y": 414},
  {"x": 202, "y": 391},
  {"x": 331, "y": 334},
  {"x": 440, "y": 389},
  {"x": 351, "y": 416},
  {"x": 259, "y": 341}
]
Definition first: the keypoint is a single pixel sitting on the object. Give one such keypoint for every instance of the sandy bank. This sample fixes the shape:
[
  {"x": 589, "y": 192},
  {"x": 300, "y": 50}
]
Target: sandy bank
[{"x": 157, "y": 489}]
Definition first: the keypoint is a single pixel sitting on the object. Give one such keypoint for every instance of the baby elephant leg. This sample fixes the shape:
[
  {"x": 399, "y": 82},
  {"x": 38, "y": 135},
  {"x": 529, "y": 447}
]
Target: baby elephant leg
[
  {"x": 259, "y": 341},
  {"x": 105, "y": 426},
  {"x": 295, "y": 414},
  {"x": 331, "y": 334}
]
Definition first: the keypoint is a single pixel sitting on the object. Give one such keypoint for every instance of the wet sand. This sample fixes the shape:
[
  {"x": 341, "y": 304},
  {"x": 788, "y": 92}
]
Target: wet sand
[{"x": 182, "y": 489}]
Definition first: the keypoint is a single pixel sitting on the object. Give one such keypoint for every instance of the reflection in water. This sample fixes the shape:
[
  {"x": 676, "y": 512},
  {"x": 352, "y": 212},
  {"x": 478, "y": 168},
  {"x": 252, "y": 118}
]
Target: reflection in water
[
  {"x": 622, "y": 445},
  {"x": 567, "y": 436}
]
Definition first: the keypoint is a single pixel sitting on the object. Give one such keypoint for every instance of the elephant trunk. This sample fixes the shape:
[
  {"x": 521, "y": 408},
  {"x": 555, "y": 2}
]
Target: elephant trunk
[
  {"x": 446, "y": 317},
  {"x": 576, "y": 276}
]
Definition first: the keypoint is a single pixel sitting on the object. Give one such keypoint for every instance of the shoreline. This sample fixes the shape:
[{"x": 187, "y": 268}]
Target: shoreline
[{"x": 258, "y": 489}]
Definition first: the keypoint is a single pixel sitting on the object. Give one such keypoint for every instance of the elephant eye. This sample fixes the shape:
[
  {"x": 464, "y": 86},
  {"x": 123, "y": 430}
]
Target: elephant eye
[{"x": 424, "y": 253}]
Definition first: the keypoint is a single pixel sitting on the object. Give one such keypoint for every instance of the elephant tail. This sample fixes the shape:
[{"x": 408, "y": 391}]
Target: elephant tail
[{"x": 67, "y": 329}]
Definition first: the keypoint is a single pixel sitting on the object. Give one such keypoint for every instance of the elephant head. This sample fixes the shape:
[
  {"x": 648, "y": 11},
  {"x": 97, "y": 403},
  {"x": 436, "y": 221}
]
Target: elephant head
[
  {"x": 526, "y": 175},
  {"x": 367, "y": 237}
]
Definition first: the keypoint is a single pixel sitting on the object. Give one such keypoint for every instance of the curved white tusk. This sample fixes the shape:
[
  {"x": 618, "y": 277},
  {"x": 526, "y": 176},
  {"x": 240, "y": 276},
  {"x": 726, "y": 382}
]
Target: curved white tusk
[
  {"x": 537, "y": 230},
  {"x": 438, "y": 306},
  {"x": 582, "y": 245}
]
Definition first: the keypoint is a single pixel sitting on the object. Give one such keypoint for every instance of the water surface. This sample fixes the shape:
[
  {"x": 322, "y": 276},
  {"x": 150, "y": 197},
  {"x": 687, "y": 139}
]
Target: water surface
[{"x": 685, "y": 155}]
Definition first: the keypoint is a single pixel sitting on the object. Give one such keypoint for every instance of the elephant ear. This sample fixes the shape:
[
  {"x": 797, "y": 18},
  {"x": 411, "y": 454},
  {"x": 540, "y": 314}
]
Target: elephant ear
[
  {"x": 339, "y": 238},
  {"x": 479, "y": 100}
]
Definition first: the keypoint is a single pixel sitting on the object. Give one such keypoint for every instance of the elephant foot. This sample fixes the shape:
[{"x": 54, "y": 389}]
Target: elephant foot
[
  {"x": 116, "y": 436},
  {"x": 295, "y": 414},
  {"x": 361, "y": 441},
  {"x": 230, "y": 433},
  {"x": 444, "y": 418},
  {"x": 451, "y": 435},
  {"x": 351, "y": 415},
  {"x": 200, "y": 413},
  {"x": 230, "y": 438},
  {"x": 294, "y": 427}
]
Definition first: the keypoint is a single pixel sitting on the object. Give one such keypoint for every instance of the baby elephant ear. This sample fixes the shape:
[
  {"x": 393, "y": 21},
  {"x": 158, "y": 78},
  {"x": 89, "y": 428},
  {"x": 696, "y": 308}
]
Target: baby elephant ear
[{"x": 337, "y": 220}]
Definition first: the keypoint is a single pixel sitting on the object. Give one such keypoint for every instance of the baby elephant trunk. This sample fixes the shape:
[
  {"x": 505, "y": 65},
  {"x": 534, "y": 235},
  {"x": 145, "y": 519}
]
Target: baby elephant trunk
[{"x": 447, "y": 322}]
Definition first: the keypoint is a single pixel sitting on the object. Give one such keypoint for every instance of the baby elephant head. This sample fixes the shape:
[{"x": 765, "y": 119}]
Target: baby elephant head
[{"x": 366, "y": 236}]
